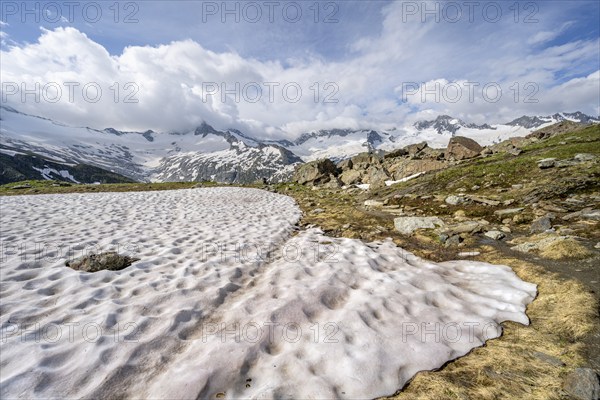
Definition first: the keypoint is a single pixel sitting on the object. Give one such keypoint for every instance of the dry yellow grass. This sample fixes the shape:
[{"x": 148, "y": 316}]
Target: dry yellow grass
[
  {"x": 565, "y": 249},
  {"x": 507, "y": 368}
]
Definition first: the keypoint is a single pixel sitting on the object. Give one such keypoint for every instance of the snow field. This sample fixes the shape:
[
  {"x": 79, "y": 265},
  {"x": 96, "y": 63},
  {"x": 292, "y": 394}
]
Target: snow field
[{"x": 194, "y": 318}]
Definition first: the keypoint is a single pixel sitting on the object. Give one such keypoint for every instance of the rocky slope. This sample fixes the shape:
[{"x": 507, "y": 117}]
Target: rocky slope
[
  {"x": 531, "y": 203},
  {"x": 203, "y": 154},
  {"x": 16, "y": 166}
]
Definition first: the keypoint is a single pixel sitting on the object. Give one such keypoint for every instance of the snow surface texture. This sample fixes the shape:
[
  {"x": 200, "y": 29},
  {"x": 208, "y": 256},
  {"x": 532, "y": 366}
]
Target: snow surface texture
[{"x": 316, "y": 317}]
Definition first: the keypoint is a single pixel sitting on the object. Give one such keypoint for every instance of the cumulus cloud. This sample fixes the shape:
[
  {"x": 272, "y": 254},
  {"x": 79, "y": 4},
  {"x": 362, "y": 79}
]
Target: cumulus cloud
[{"x": 383, "y": 80}]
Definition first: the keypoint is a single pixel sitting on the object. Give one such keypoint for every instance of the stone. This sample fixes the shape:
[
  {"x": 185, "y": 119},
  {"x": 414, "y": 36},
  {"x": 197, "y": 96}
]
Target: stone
[
  {"x": 486, "y": 152},
  {"x": 454, "y": 200},
  {"x": 414, "y": 149},
  {"x": 566, "y": 232},
  {"x": 541, "y": 225},
  {"x": 350, "y": 177},
  {"x": 515, "y": 151},
  {"x": 517, "y": 186},
  {"x": 593, "y": 214},
  {"x": 18, "y": 187},
  {"x": 552, "y": 207},
  {"x": 376, "y": 177},
  {"x": 582, "y": 384},
  {"x": 333, "y": 183},
  {"x": 507, "y": 212},
  {"x": 547, "y": 358},
  {"x": 495, "y": 235},
  {"x": 522, "y": 218},
  {"x": 317, "y": 211},
  {"x": 583, "y": 157},
  {"x": 109, "y": 260},
  {"x": 564, "y": 163},
  {"x": 315, "y": 172},
  {"x": 407, "y": 225},
  {"x": 464, "y": 227},
  {"x": 460, "y": 214},
  {"x": 345, "y": 164},
  {"x": 461, "y": 148},
  {"x": 573, "y": 215},
  {"x": 483, "y": 200},
  {"x": 363, "y": 161},
  {"x": 373, "y": 203},
  {"x": 546, "y": 163},
  {"x": 396, "y": 153},
  {"x": 453, "y": 240}
]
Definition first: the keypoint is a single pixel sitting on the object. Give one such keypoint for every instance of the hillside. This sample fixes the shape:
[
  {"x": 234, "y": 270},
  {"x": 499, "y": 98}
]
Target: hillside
[{"x": 504, "y": 207}]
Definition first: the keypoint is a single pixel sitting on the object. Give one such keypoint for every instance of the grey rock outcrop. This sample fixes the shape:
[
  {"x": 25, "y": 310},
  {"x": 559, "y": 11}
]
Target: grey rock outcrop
[
  {"x": 461, "y": 148},
  {"x": 315, "y": 172}
]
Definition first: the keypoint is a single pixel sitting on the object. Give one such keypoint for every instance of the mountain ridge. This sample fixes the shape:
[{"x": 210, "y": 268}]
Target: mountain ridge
[{"x": 231, "y": 156}]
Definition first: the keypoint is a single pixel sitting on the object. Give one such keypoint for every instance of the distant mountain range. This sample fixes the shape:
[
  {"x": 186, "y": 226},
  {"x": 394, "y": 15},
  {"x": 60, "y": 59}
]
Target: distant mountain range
[{"x": 33, "y": 147}]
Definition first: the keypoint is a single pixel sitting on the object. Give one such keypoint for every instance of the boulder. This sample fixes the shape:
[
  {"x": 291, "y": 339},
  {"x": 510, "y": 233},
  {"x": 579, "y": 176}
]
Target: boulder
[
  {"x": 460, "y": 148},
  {"x": 407, "y": 225},
  {"x": 315, "y": 172},
  {"x": 591, "y": 214},
  {"x": 396, "y": 153},
  {"x": 333, "y": 183},
  {"x": 483, "y": 200},
  {"x": 365, "y": 160},
  {"x": 546, "y": 163},
  {"x": 582, "y": 384},
  {"x": 548, "y": 359},
  {"x": 467, "y": 227},
  {"x": 495, "y": 235},
  {"x": 109, "y": 260},
  {"x": 541, "y": 225},
  {"x": 455, "y": 200},
  {"x": 345, "y": 165},
  {"x": 583, "y": 157},
  {"x": 432, "y": 154},
  {"x": 486, "y": 152},
  {"x": 373, "y": 203},
  {"x": 401, "y": 168},
  {"x": 453, "y": 240},
  {"x": 376, "y": 177},
  {"x": 508, "y": 212},
  {"x": 350, "y": 177},
  {"x": 414, "y": 149}
]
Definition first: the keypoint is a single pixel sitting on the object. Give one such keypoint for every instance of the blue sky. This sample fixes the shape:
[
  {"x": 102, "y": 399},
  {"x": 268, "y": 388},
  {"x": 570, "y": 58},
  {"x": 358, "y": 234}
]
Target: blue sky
[
  {"x": 160, "y": 22},
  {"x": 369, "y": 49}
]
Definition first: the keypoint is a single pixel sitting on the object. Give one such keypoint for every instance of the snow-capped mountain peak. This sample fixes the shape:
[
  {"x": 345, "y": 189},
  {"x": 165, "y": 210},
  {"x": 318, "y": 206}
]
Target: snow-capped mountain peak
[
  {"x": 447, "y": 124},
  {"x": 206, "y": 153},
  {"x": 531, "y": 122}
]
